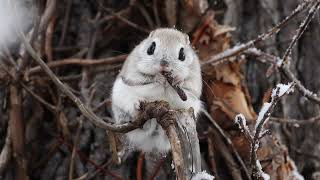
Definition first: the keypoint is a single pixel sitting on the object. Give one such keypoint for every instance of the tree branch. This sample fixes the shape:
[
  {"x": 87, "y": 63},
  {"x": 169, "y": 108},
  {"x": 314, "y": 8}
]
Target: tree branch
[{"x": 221, "y": 57}]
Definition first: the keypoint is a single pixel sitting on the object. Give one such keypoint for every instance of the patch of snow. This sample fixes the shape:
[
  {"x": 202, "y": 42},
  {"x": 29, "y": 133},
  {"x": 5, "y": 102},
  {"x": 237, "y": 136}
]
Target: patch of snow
[
  {"x": 263, "y": 111},
  {"x": 255, "y": 51},
  {"x": 295, "y": 175},
  {"x": 264, "y": 175},
  {"x": 279, "y": 61},
  {"x": 172, "y": 165},
  {"x": 284, "y": 88},
  {"x": 244, "y": 122},
  {"x": 202, "y": 176}
]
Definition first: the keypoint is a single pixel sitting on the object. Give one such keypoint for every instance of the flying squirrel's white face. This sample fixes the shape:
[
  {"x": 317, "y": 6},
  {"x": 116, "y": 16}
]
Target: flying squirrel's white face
[{"x": 166, "y": 50}]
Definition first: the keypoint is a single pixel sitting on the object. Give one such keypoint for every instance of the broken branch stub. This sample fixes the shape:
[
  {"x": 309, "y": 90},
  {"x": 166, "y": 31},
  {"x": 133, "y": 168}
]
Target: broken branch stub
[{"x": 180, "y": 127}]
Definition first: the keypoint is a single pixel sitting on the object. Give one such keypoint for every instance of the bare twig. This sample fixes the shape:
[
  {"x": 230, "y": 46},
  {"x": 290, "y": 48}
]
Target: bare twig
[
  {"x": 40, "y": 99},
  {"x": 156, "y": 13},
  {"x": 171, "y": 12},
  {"x": 130, "y": 23},
  {"x": 80, "y": 62},
  {"x": 84, "y": 157},
  {"x": 6, "y": 153},
  {"x": 146, "y": 16},
  {"x": 303, "y": 90},
  {"x": 157, "y": 169},
  {"x": 110, "y": 17},
  {"x": 296, "y": 121},
  {"x": 65, "y": 21},
  {"x": 74, "y": 149},
  {"x": 46, "y": 17},
  {"x": 211, "y": 156},
  {"x": 232, "y": 166},
  {"x": 91, "y": 175},
  {"x": 48, "y": 39}
]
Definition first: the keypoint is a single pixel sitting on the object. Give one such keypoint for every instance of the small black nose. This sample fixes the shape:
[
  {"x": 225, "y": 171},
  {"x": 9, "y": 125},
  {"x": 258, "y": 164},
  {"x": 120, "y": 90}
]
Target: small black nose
[{"x": 164, "y": 63}]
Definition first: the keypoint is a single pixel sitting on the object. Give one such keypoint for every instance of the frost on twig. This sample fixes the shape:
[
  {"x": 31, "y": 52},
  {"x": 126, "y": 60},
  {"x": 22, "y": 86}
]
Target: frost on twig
[
  {"x": 259, "y": 131},
  {"x": 241, "y": 121},
  {"x": 302, "y": 28}
]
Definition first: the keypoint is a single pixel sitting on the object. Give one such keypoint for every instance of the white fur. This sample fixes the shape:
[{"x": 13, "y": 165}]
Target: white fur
[{"x": 128, "y": 97}]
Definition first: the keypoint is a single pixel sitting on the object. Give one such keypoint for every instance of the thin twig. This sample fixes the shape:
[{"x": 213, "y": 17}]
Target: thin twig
[
  {"x": 40, "y": 99},
  {"x": 80, "y": 62},
  {"x": 303, "y": 90},
  {"x": 140, "y": 166},
  {"x": 157, "y": 169},
  {"x": 6, "y": 153},
  {"x": 128, "y": 22},
  {"x": 65, "y": 21},
  {"x": 84, "y": 157},
  {"x": 74, "y": 149},
  {"x": 296, "y": 121},
  {"x": 146, "y": 16},
  {"x": 211, "y": 156},
  {"x": 48, "y": 39},
  {"x": 93, "y": 174},
  {"x": 230, "y": 144},
  {"x": 156, "y": 13}
]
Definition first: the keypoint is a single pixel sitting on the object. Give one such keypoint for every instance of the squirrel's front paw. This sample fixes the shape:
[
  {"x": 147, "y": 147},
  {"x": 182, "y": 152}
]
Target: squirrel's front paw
[{"x": 139, "y": 106}]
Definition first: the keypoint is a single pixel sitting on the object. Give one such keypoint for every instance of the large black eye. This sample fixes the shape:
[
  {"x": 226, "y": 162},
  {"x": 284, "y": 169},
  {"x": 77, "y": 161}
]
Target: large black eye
[
  {"x": 182, "y": 56},
  {"x": 151, "y": 49}
]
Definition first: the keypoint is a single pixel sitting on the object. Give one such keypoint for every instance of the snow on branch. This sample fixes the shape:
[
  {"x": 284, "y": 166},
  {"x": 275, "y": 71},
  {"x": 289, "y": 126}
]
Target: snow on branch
[{"x": 259, "y": 131}]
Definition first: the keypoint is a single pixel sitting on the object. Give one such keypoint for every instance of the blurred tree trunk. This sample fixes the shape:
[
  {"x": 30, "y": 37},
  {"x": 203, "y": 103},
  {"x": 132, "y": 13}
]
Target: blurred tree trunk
[{"x": 252, "y": 18}]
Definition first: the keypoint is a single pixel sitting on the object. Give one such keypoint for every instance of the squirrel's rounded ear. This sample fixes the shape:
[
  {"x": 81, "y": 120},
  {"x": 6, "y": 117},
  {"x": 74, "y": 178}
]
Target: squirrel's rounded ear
[
  {"x": 151, "y": 33},
  {"x": 187, "y": 38}
]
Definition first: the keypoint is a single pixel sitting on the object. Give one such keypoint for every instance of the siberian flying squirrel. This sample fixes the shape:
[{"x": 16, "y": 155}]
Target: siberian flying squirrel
[{"x": 141, "y": 79}]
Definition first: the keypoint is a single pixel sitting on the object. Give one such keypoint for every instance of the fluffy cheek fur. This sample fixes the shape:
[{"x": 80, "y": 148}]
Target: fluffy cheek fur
[
  {"x": 147, "y": 67},
  {"x": 182, "y": 69}
]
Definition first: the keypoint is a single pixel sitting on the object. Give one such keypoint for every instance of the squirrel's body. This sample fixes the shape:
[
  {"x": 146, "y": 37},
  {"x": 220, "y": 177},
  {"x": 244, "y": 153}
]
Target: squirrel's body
[{"x": 141, "y": 80}]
